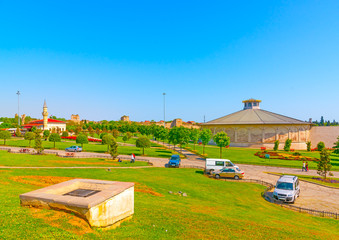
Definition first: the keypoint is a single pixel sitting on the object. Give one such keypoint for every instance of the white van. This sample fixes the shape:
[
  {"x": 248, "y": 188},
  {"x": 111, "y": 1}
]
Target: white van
[
  {"x": 287, "y": 189},
  {"x": 213, "y": 164}
]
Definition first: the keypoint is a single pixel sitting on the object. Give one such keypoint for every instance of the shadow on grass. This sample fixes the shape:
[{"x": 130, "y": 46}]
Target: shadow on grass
[{"x": 200, "y": 172}]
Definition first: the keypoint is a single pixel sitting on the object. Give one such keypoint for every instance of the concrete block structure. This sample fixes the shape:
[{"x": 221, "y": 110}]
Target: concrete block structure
[{"x": 101, "y": 203}]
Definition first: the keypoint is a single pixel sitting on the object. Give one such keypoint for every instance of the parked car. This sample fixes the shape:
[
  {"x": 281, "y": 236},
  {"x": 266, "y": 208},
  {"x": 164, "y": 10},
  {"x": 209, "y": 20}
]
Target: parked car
[
  {"x": 287, "y": 189},
  {"x": 213, "y": 164},
  {"x": 73, "y": 149},
  {"x": 229, "y": 172},
  {"x": 174, "y": 161}
]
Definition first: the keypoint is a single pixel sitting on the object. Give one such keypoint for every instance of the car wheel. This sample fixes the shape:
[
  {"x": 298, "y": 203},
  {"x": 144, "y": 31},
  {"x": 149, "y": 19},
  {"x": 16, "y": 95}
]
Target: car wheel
[
  {"x": 217, "y": 176},
  {"x": 236, "y": 177}
]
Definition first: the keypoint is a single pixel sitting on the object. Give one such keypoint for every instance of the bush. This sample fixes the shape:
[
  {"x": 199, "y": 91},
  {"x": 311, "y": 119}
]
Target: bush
[
  {"x": 276, "y": 145},
  {"x": 288, "y": 144},
  {"x": 321, "y": 146},
  {"x": 297, "y": 154},
  {"x": 308, "y": 146},
  {"x": 64, "y": 134}
]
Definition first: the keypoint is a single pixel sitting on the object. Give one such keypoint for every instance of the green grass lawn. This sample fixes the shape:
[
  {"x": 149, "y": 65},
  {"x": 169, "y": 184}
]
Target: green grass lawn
[
  {"x": 213, "y": 209},
  {"x": 155, "y": 150},
  {"x": 246, "y": 156},
  {"x": 49, "y": 160}
]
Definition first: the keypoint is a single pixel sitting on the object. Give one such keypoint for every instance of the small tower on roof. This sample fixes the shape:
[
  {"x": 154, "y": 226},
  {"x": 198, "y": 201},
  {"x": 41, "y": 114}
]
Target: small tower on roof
[
  {"x": 251, "y": 104},
  {"x": 45, "y": 115}
]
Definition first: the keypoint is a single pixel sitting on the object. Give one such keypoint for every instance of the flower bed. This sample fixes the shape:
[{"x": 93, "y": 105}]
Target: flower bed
[
  {"x": 328, "y": 180},
  {"x": 284, "y": 156},
  {"x": 90, "y": 139}
]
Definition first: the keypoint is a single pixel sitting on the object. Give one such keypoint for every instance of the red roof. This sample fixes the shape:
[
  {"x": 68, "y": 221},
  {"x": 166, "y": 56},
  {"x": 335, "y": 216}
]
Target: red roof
[{"x": 41, "y": 121}]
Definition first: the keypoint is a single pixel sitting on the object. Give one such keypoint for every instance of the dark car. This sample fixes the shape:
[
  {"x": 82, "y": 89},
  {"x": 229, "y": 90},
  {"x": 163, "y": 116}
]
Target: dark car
[{"x": 174, "y": 161}]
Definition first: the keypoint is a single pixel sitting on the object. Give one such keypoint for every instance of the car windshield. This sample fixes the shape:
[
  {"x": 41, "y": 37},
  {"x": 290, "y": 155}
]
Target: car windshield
[
  {"x": 285, "y": 186},
  {"x": 175, "y": 157}
]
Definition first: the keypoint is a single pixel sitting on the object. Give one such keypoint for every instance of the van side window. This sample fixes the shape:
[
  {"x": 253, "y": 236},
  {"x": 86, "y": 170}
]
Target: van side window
[{"x": 219, "y": 163}]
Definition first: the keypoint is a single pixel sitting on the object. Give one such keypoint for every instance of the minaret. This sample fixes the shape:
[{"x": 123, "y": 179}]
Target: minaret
[{"x": 45, "y": 115}]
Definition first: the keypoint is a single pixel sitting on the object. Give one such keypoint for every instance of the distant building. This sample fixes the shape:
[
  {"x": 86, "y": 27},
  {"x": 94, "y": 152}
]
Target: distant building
[
  {"x": 254, "y": 127},
  {"x": 46, "y": 123},
  {"x": 125, "y": 118},
  {"x": 75, "y": 118},
  {"x": 175, "y": 123}
]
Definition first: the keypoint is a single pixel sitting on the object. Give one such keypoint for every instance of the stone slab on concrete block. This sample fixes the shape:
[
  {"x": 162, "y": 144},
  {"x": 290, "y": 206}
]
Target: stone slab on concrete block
[{"x": 113, "y": 201}]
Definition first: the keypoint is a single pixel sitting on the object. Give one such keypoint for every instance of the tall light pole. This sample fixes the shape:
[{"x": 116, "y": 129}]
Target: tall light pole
[
  {"x": 164, "y": 110},
  {"x": 18, "y": 93}
]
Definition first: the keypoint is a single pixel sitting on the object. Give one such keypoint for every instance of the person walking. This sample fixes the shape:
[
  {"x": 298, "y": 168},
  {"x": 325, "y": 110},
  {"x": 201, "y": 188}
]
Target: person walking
[
  {"x": 304, "y": 166},
  {"x": 132, "y": 158}
]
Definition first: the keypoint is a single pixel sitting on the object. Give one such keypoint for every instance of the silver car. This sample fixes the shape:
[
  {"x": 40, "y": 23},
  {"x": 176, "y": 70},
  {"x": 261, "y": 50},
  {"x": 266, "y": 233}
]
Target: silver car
[{"x": 287, "y": 189}]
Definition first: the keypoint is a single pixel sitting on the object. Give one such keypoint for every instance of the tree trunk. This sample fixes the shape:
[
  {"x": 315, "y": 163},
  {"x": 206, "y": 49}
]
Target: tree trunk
[
  {"x": 108, "y": 148},
  {"x": 143, "y": 151},
  {"x": 203, "y": 152},
  {"x": 220, "y": 152},
  {"x": 29, "y": 143},
  {"x": 194, "y": 146},
  {"x": 54, "y": 144}
]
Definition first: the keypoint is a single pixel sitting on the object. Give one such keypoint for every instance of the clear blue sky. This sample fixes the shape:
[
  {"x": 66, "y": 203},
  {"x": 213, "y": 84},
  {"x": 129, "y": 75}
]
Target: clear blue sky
[{"x": 104, "y": 59}]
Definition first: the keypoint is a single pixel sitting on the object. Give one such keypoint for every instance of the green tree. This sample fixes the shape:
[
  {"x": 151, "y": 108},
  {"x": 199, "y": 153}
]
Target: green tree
[
  {"x": 82, "y": 139},
  {"x": 115, "y": 133},
  {"x": 125, "y": 138},
  {"x": 173, "y": 136},
  {"x": 29, "y": 136},
  {"x": 38, "y": 143},
  {"x": 129, "y": 135},
  {"x": 143, "y": 142},
  {"x": 324, "y": 164},
  {"x": 34, "y": 129},
  {"x": 46, "y": 134},
  {"x": 18, "y": 132},
  {"x": 320, "y": 146},
  {"x": 308, "y": 144},
  {"x": 5, "y": 135},
  {"x": 163, "y": 134},
  {"x": 222, "y": 140},
  {"x": 183, "y": 136},
  {"x": 54, "y": 137},
  {"x": 205, "y": 136},
  {"x": 107, "y": 140},
  {"x": 64, "y": 134},
  {"x": 194, "y": 136},
  {"x": 336, "y": 147},
  {"x": 276, "y": 145},
  {"x": 113, "y": 150},
  {"x": 288, "y": 144}
]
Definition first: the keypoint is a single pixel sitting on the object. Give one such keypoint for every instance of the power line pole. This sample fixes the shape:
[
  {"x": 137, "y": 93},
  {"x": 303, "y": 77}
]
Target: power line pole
[
  {"x": 18, "y": 93},
  {"x": 164, "y": 110}
]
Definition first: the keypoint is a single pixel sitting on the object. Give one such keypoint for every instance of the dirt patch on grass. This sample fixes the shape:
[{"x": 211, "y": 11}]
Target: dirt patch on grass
[
  {"x": 139, "y": 187},
  {"x": 41, "y": 181},
  {"x": 205, "y": 210},
  {"x": 65, "y": 221},
  {"x": 85, "y": 163}
]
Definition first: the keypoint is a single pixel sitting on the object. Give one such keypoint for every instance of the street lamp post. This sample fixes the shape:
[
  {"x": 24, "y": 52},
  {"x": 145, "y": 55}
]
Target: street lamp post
[
  {"x": 164, "y": 110},
  {"x": 18, "y": 93}
]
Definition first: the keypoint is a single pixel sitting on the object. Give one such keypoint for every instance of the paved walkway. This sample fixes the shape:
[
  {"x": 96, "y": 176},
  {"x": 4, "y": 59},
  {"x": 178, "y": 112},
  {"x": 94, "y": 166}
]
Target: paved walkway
[{"x": 311, "y": 196}]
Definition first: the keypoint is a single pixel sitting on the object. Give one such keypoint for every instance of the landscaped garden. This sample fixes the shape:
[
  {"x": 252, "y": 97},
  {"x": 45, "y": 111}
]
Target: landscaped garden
[
  {"x": 248, "y": 156},
  {"x": 212, "y": 210},
  {"x": 155, "y": 150},
  {"x": 49, "y": 160}
]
